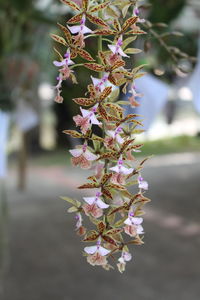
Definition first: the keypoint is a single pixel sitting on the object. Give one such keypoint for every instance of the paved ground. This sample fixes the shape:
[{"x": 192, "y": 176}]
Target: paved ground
[{"x": 45, "y": 255}]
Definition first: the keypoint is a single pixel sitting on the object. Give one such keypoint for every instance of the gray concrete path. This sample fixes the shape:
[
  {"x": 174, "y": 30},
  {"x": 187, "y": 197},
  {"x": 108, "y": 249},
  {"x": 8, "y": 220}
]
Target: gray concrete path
[{"x": 45, "y": 254}]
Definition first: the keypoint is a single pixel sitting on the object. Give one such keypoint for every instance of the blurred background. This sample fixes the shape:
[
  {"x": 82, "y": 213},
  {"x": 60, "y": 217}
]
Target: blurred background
[{"x": 40, "y": 255}]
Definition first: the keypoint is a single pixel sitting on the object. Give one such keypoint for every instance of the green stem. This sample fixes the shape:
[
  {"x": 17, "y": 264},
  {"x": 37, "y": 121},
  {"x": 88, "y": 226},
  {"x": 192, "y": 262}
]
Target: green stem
[
  {"x": 76, "y": 65},
  {"x": 100, "y": 48}
]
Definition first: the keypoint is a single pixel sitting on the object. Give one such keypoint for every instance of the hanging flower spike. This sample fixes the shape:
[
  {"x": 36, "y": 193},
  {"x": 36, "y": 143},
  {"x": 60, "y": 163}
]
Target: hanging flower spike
[
  {"x": 133, "y": 225},
  {"x": 126, "y": 256},
  {"x": 83, "y": 157},
  {"x": 107, "y": 151},
  {"x": 97, "y": 200},
  {"x": 119, "y": 168},
  {"x": 116, "y": 49},
  {"x": 97, "y": 254},
  {"x": 142, "y": 184}
]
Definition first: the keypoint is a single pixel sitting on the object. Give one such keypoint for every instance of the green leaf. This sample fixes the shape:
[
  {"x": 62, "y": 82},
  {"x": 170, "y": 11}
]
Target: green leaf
[
  {"x": 128, "y": 41},
  {"x": 72, "y": 209},
  {"x": 93, "y": 220},
  {"x": 120, "y": 222},
  {"x": 132, "y": 51},
  {"x": 76, "y": 203}
]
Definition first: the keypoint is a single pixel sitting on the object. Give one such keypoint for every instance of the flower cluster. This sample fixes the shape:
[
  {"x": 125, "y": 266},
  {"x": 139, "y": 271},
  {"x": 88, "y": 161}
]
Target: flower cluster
[{"x": 114, "y": 209}]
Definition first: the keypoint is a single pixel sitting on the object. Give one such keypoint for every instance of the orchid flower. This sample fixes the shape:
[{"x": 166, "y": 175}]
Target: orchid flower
[
  {"x": 80, "y": 29},
  {"x": 97, "y": 254},
  {"x": 116, "y": 49},
  {"x": 79, "y": 227},
  {"x": 100, "y": 83},
  {"x": 90, "y": 114},
  {"x": 126, "y": 256},
  {"x": 119, "y": 168},
  {"x": 142, "y": 184},
  {"x": 136, "y": 13},
  {"x": 133, "y": 225},
  {"x": 88, "y": 117},
  {"x": 92, "y": 210},
  {"x": 65, "y": 62},
  {"x": 134, "y": 96},
  {"x": 83, "y": 157},
  {"x": 97, "y": 200},
  {"x": 115, "y": 134}
]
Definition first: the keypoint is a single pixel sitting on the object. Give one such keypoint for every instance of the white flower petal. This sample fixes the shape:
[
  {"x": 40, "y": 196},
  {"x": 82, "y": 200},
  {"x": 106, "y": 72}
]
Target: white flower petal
[
  {"x": 89, "y": 200},
  {"x": 128, "y": 221},
  {"x": 101, "y": 204},
  {"x": 127, "y": 256},
  {"x": 75, "y": 28},
  {"x": 125, "y": 170},
  {"x": 140, "y": 229},
  {"x": 85, "y": 112},
  {"x": 103, "y": 251},
  {"x": 90, "y": 250},
  {"x": 111, "y": 133},
  {"x": 59, "y": 63},
  {"x": 94, "y": 120},
  {"x": 76, "y": 152},
  {"x": 89, "y": 155},
  {"x": 95, "y": 81},
  {"x": 115, "y": 169},
  {"x": 121, "y": 52},
  {"x": 143, "y": 185},
  {"x": 137, "y": 220},
  {"x": 121, "y": 260},
  {"x": 112, "y": 48},
  {"x": 119, "y": 139},
  {"x": 85, "y": 30},
  {"x": 70, "y": 62}
]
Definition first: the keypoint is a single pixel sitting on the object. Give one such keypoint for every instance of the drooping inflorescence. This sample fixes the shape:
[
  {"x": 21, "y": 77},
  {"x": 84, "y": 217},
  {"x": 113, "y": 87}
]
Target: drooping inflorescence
[{"x": 113, "y": 209}]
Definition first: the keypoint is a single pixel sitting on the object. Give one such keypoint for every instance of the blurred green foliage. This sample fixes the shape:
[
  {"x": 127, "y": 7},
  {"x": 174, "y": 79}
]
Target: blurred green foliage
[
  {"x": 165, "y": 11},
  {"x": 20, "y": 38}
]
